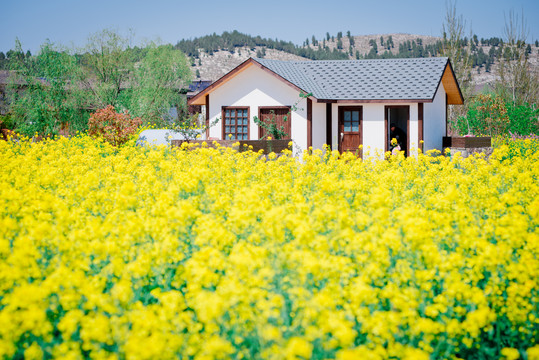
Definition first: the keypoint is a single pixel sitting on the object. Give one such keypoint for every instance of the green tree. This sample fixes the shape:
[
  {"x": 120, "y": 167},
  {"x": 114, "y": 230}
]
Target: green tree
[
  {"x": 49, "y": 102},
  {"x": 60, "y": 89},
  {"x": 390, "y": 43},
  {"x": 15, "y": 57},
  {"x": 108, "y": 67},
  {"x": 156, "y": 83}
]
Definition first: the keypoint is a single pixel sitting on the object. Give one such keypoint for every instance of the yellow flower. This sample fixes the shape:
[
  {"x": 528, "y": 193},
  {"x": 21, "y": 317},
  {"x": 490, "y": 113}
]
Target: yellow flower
[
  {"x": 298, "y": 348},
  {"x": 510, "y": 353}
]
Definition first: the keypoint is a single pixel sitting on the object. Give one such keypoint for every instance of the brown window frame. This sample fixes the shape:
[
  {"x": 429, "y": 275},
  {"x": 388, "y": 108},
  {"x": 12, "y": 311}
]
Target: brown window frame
[
  {"x": 289, "y": 119},
  {"x": 223, "y": 121}
]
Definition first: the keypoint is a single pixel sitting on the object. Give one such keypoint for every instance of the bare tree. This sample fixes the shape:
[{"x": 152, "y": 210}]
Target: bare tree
[
  {"x": 454, "y": 28},
  {"x": 517, "y": 81}
]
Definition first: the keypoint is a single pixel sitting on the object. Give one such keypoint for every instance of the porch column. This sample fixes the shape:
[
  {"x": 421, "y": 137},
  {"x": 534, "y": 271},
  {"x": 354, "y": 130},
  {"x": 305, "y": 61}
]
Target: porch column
[
  {"x": 446, "y": 119},
  {"x": 328, "y": 124},
  {"x": 420, "y": 126},
  {"x": 309, "y": 123},
  {"x": 207, "y": 116}
]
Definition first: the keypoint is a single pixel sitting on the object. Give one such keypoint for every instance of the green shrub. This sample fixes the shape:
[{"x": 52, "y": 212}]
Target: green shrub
[
  {"x": 7, "y": 122},
  {"x": 490, "y": 115}
]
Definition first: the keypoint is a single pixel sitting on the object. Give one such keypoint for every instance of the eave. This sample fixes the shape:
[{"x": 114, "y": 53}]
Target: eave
[
  {"x": 371, "y": 101},
  {"x": 451, "y": 86}
]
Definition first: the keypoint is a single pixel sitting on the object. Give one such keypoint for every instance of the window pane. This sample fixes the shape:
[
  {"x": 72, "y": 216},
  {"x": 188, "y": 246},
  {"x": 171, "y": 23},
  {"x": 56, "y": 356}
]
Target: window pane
[
  {"x": 347, "y": 116},
  {"x": 245, "y": 129},
  {"x": 232, "y": 113},
  {"x": 355, "y": 115},
  {"x": 347, "y": 127},
  {"x": 245, "y": 121},
  {"x": 355, "y": 127},
  {"x": 232, "y": 122},
  {"x": 227, "y": 113},
  {"x": 227, "y": 129},
  {"x": 245, "y": 137},
  {"x": 227, "y": 121}
]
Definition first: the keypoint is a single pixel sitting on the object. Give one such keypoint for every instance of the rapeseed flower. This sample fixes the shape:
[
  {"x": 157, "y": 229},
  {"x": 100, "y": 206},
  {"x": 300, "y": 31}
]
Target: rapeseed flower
[{"x": 160, "y": 252}]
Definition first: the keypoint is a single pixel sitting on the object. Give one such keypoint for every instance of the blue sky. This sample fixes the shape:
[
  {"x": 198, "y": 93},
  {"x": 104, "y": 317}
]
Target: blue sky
[{"x": 69, "y": 22}]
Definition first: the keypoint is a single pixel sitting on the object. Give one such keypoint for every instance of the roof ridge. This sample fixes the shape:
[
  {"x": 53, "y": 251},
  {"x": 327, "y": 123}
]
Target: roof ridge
[{"x": 430, "y": 58}]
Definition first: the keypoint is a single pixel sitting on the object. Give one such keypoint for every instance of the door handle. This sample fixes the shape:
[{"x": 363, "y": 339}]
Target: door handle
[{"x": 342, "y": 136}]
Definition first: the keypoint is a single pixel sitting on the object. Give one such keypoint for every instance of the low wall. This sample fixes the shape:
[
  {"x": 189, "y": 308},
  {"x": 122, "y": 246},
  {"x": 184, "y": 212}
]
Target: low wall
[
  {"x": 267, "y": 146},
  {"x": 466, "y": 142},
  {"x": 468, "y": 145}
]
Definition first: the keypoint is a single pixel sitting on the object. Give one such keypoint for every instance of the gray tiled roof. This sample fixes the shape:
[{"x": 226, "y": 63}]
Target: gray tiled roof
[{"x": 386, "y": 79}]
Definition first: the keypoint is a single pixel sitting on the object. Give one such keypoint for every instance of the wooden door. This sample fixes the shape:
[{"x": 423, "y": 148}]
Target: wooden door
[
  {"x": 350, "y": 125},
  {"x": 279, "y": 114}
]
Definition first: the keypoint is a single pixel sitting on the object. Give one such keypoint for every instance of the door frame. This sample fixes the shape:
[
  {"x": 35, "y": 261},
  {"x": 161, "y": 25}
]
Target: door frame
[
  {"x": 386, "y": 127},
  {"x": 340, "y": 121},
  {"x": 289, "y": 108}
]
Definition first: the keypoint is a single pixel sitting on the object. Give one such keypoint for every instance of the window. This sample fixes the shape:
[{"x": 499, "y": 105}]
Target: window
[
  {"x": 236, "y": 123},
  {"x": 351, "y": 121}
]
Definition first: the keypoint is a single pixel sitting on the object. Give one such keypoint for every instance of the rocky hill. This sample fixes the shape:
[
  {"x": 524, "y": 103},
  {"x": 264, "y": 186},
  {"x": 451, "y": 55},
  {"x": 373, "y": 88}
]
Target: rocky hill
[{"x": 211, "y": 65}]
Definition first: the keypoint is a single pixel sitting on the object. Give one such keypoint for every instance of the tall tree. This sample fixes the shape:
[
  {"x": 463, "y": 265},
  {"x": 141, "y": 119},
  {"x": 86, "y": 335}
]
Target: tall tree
[
  {"x": 49, "y": 101},
  {"x": 157, "y": 83},
  {"x": 108, "y": 67},
  {"x": 452, "y": 46},
  {"x": 517, "y": 81}
]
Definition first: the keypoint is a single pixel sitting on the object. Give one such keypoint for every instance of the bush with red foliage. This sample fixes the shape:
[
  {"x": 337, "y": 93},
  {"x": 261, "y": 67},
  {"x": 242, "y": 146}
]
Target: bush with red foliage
[{"x": 114, "y": 127}]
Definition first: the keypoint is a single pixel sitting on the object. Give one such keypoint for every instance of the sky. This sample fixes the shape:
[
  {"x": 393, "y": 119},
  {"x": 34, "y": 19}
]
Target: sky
[{"x": 69, "y": 22}]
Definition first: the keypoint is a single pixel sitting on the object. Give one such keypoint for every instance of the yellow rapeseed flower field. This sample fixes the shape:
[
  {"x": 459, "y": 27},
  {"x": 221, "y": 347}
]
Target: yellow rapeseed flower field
[{"x": 162, "y": 253}]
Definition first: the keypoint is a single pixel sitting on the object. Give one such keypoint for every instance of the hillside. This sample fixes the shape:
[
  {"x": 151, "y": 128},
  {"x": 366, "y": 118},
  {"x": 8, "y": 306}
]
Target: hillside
[{"x": 214, "y": 55}]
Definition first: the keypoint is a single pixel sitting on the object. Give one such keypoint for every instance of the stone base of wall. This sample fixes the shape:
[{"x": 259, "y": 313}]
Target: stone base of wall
[{"x": 465, "y": 152}]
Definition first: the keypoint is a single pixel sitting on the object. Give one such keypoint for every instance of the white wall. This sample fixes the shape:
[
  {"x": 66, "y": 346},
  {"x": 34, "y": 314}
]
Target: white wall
[
  {"x": 373, "y": 130},
  {"x": 413, "y": 135},
  {"x": 319, "y": 125},
  {"x": 434, "y": 121},
  {"x": 254, "y": 87}
]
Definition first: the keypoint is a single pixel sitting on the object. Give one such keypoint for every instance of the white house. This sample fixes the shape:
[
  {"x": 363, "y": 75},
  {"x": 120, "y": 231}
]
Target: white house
[{"x": 350, "y": 102}]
